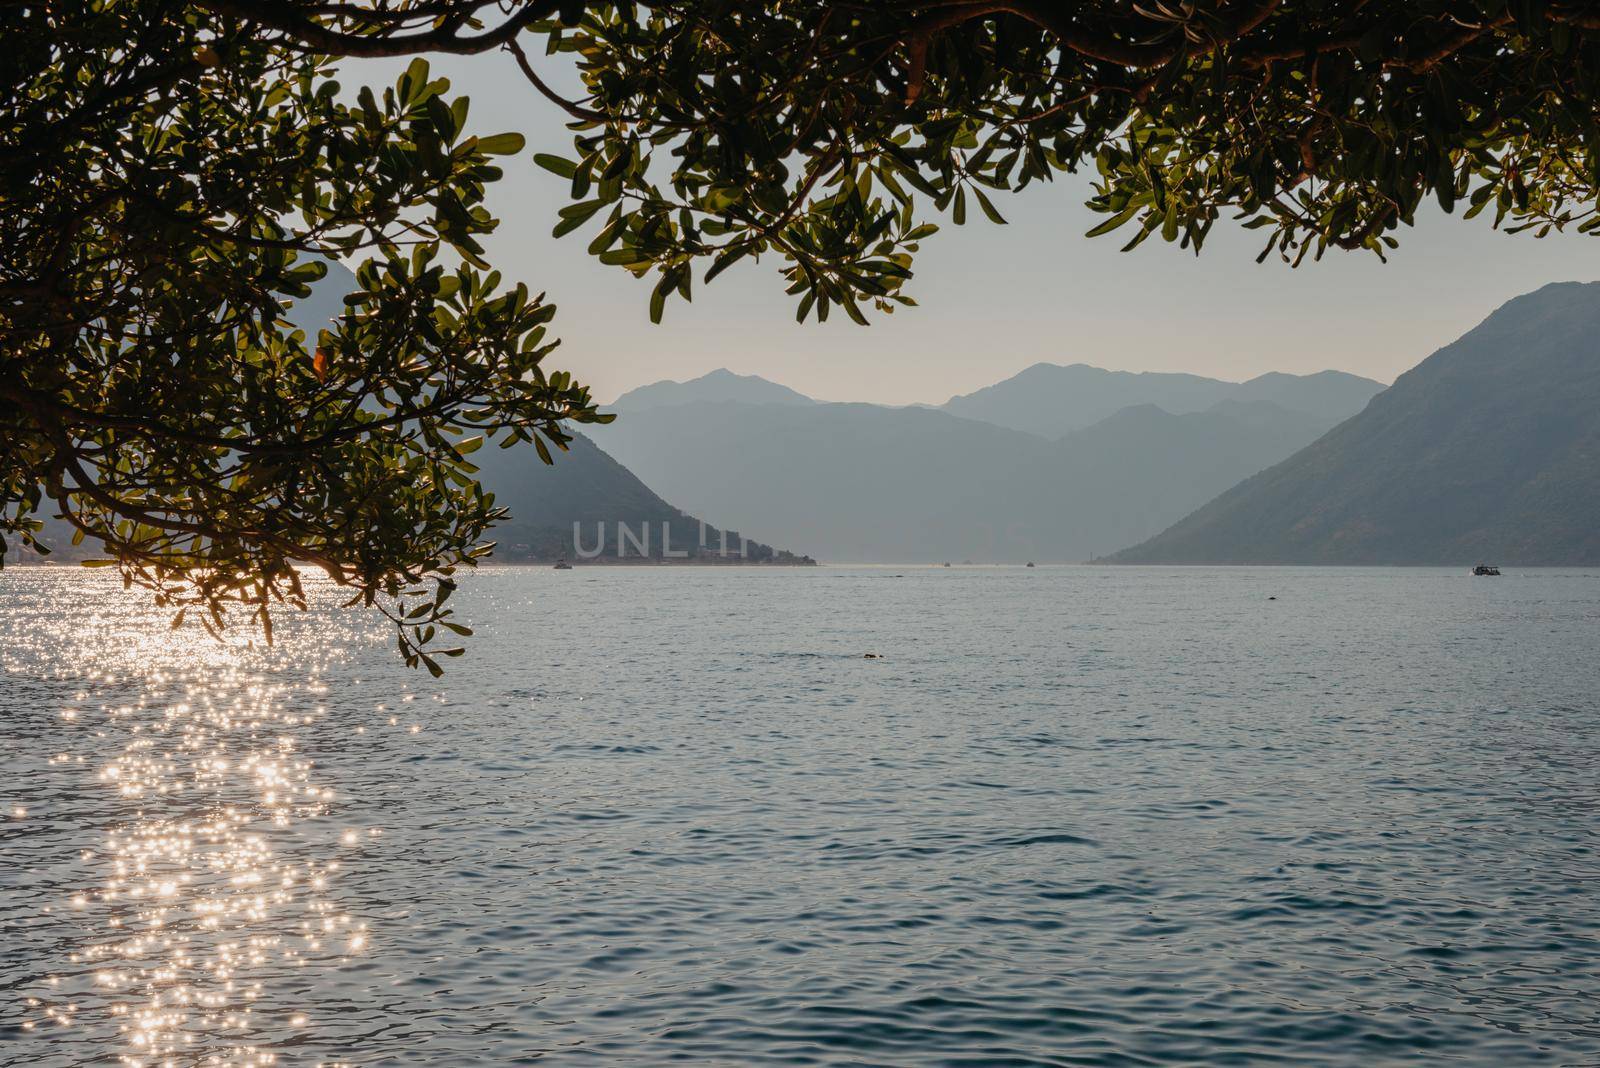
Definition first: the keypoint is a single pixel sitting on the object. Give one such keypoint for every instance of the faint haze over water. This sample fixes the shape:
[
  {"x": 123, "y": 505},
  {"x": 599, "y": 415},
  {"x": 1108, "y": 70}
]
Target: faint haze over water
[
  {"x": 1092, "y": 816},
  {"x": 998, "y": 299}
]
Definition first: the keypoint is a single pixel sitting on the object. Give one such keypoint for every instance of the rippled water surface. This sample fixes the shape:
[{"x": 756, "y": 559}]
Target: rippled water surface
[{"x": 1072, "y": 816}]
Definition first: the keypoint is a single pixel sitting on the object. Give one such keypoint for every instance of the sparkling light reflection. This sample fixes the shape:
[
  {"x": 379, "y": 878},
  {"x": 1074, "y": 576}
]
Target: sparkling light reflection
[{"x": 220, "y": 868}]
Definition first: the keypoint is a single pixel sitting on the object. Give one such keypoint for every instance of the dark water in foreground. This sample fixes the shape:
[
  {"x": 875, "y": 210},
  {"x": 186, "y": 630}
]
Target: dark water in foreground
[{"x": 1075, "y": 816}]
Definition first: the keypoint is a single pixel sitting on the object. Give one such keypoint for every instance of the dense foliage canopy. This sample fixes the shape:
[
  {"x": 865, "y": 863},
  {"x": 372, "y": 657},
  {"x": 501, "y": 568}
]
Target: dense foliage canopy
[{"x": 173, "y": 174}]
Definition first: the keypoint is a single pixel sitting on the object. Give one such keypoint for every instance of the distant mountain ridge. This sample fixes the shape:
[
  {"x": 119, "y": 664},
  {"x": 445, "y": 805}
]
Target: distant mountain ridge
[
  {"x": 719, "y": 385},
  {"x": 863, "y": 482},
  {"x": 1051, "y": 400},
  {"x": 1487, "y": 451},
  {"x": 1330, "y": 394}
]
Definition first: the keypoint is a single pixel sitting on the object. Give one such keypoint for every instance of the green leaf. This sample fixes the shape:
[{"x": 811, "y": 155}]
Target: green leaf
[
  {"x": 563, "y": 168},
  {"x": 728, "y": 259},
  {"x": 505, "y": 144},
  {"x": 988, "y": 208},
  {"x": 575, "y": 215},
  {"x": 658, "y": 301},
  {"x": 1113, "y": 222}
]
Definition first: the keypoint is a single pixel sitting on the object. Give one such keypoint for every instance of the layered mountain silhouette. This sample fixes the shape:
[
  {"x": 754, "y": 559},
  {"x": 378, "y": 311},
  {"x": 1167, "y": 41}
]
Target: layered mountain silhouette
[
  {"x": 1051, "y": 400},
  {"x": 862, "y": 482},
  {"x": 1487, "y": 451}
]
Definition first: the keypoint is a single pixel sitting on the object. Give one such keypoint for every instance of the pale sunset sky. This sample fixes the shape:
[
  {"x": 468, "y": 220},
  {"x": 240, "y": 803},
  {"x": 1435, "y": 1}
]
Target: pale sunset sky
[{"x": 996, "y": 299}]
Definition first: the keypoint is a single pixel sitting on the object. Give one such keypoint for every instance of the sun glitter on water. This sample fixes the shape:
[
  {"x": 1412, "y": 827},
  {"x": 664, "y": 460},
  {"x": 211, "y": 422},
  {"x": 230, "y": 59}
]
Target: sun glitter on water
[{"x": 219, "y": 868}]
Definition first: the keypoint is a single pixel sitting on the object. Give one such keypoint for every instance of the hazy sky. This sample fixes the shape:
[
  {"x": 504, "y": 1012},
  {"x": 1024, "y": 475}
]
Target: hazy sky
[{"x": 995, "y": 299}]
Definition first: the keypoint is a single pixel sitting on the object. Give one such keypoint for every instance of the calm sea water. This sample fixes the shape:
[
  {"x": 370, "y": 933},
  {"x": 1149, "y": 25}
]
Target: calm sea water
[{"x": 1072, "y": 816}]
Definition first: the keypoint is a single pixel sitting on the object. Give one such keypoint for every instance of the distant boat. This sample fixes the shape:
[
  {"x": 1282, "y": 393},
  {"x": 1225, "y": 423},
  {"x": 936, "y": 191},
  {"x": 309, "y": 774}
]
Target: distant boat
[
  {"x": 562, "y": 565},
  {"x": 1030, "y": 563},
  {"x": 1486, "y": 569},
  {"x": 947, "y": 563}
]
